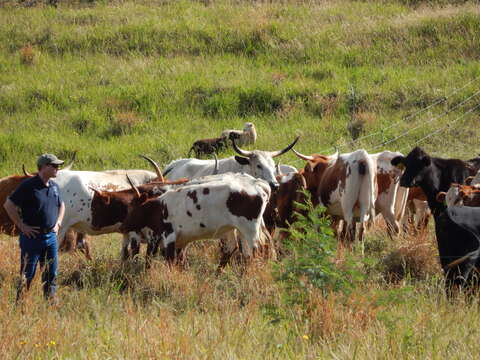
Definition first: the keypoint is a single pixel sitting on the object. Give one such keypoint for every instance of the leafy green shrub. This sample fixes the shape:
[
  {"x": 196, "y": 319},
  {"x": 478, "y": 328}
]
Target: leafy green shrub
[
  {"x": 311, "y": 261},
  {"x": 263, "y": 101}
]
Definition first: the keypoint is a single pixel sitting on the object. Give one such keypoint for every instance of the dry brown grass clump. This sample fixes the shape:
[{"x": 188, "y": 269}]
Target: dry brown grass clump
[
  {"x": 27, "y": 55},
  {"x": 415, "y": 256}
]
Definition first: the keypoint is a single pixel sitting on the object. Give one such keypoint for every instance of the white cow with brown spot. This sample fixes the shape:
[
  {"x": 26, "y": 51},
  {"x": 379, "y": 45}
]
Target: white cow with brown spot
[
  {"x": 391, "y": 199},
  {"x": 201, "y": 211}
]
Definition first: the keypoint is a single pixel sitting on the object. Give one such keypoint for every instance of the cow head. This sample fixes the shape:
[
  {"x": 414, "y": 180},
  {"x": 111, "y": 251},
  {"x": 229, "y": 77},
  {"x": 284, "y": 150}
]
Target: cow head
[
  {"x": 415, "y": 165},
  {"x": 261, "y": 163},
  {"x": 315, "y": 167},
  {"x": 453, "y": 197}
]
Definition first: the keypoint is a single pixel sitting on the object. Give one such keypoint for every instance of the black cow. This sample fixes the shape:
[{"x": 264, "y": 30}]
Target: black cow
[{"x": 434, "y": 175}]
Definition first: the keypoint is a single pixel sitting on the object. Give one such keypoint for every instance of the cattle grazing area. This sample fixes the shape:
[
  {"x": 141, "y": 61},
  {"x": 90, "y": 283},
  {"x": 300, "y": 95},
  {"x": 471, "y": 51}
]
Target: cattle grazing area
[{"x": 364, "y": 98}]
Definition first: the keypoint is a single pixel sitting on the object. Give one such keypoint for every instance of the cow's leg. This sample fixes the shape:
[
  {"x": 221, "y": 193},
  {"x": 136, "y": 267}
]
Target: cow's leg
[
  {"x": 393, "y": 227},
  {"x": 68, "y": 243},
  {"x": 135, "y": 247},
  {"x": 125, "y": 253},
  {"x": 335, "y": 224},
  {"x": 181, "y": 255},
  {"x": 228, "y": 246},
  {"x": 83, "y": 243},
  {"x": 250, "y": 237},
  {"x": 169, "y": 242}
]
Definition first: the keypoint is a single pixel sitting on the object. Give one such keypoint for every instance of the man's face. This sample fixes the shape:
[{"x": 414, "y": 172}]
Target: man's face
[{"x": 50, "y": 170}]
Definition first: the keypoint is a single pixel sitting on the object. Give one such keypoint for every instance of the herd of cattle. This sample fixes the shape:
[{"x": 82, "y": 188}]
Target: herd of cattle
[{"x": 245, "y": 200}]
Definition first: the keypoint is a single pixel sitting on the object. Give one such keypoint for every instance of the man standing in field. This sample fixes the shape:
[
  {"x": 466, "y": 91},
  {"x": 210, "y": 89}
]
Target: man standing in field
[{"x": 41, "y": 213}]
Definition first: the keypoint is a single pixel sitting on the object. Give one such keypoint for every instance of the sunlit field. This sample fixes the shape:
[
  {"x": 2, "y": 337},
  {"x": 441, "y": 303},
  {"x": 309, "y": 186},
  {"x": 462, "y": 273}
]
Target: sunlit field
[{"x": 114, "y": 79}]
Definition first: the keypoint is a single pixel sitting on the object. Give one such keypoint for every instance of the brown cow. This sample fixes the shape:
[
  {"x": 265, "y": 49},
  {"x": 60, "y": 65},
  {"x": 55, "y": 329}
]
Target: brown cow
[{"x": 461, "y": 195}]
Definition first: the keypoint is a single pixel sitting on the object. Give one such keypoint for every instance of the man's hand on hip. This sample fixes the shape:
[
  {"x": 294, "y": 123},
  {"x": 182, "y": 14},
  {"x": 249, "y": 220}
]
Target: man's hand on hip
[{"x": 29, "y": 231}]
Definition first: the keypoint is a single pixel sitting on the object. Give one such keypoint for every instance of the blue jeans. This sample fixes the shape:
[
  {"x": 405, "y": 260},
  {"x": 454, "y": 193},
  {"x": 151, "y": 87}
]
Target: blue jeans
[{"x": 42, "y": 248}]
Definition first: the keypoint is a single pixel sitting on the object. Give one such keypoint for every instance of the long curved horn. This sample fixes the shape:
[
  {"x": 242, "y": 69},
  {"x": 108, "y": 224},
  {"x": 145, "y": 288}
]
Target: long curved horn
[
  {"x": 70, "y": 164},
  {"x": 303, "y": 157},
  {"x": 133, "y": 187},
  {"x": 98, "y": 192},
  {"x": 217, "y": 168},
  {"x": 154, "y": 164},
  {"x": 25, "y": 171},
  {"x": 240, "y": 151},
  {"x": 335, "y": 155},
  {"x": 277, "y": 167},
  {"x": 280, "y": 152}
]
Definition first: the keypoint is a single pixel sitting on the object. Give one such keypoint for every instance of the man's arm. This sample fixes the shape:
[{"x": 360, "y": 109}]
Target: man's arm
[
  {"x": 61, "y": 213},
  {"x": 11, "y": 209}
]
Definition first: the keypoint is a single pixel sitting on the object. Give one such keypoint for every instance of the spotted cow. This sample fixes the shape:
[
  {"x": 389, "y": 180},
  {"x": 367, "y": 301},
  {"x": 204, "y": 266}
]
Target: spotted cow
[
  {"x": 345, "y": 185},
  {"x": 200, "y": 211}
]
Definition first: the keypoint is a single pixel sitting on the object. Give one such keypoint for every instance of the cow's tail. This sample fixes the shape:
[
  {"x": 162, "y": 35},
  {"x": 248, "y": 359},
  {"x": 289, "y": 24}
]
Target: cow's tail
[
  {"x": 190, "y": 151},
  {"x": 366, "y": 170}
]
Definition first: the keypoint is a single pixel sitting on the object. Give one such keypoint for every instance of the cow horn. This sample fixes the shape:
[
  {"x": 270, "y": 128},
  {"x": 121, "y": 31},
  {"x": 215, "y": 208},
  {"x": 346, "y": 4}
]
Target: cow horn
[
  {"x": 277, "y": 167},
  {"x": 154, "y": 164},
  {"x": 70, "y": 164},
  {"x": 240, "y": 151},
  {"x": 281, "y": 152},
  {"x": 133, "y": 186},
  {"x": 333, "y": 157},
  {"x": 303, "y": 157},
  {"x": 96, "y": 191},
  {"x": 25, "y": 171},
  {"x": 216, "y": 169}
]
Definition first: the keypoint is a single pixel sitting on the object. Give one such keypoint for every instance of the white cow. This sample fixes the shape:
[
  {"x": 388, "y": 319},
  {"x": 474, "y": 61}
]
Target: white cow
[
  {"x": 201, "y": 211},
  {"x": 77, "y": 194},
  {"x": 257, "y": 163},
  {"x": 243, "y": 137},
  {"x": 391, "y": 199}
]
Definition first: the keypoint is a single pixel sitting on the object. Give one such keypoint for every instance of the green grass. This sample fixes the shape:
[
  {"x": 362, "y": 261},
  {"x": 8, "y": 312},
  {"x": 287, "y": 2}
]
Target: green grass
[{"x": 113, "y": 79}]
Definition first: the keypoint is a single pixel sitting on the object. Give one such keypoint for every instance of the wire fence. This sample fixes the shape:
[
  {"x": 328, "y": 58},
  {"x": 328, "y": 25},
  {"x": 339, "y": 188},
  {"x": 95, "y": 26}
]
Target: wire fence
[{"x": 411, "y": 116}]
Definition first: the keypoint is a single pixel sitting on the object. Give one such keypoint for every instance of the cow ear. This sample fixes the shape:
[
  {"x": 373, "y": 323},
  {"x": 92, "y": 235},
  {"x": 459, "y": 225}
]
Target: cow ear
[
  {"x": 468, "y": 180},
  {"x": 441, "y": 196},
  {"x": 426, "y": 160},
  {"x": 398, "y": 162},
  {"x": 242, "y": 160}
]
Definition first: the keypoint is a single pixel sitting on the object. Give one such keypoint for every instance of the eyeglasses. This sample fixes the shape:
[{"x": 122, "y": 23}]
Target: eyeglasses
[{"x": 54, "y": 166}]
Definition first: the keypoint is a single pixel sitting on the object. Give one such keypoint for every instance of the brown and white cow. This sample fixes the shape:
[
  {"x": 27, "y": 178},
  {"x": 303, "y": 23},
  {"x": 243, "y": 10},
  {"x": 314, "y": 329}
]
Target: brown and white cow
[
  {"x": 201, "y": 211},
  {"x": 390, "y": 199},
  {"x": 110, "y": 208},
  {"x": 345, "y": 185},
  {"x": 279, "y": 214},
  {"x": 417, "y": 211}
]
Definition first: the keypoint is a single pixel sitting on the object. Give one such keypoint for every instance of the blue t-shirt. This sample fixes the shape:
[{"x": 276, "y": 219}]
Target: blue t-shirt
[{"x": 39, "y": 204}]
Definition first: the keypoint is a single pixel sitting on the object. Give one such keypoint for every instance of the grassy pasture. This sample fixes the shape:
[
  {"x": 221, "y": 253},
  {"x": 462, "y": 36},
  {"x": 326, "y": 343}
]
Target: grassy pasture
[{"x": 113, "y": 79}]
